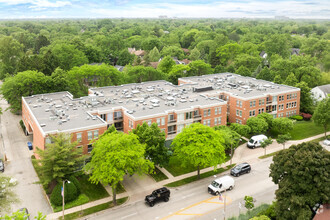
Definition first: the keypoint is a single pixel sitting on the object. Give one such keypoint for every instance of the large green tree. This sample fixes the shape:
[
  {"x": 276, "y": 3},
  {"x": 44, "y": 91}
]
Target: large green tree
[
  {"x": 282, "y": 125},
  {"x": 200, "y": 146},
  {"x": 66, "y": 55},
  {"x": 172, "y": 51},
  {"x": 113, "y": 156},
  {"x": 283, "y": 138},
  {"x": 10, "y": 53},
  {"x": 138, "y": 74},
  {"x": 321, "y": 114},
  {"x": 306, "y": 101},
  {"x": 154, "y": 139},
  {"x": 242, "y": 130},
  {"x": 24, "y": 84},
  {"x": 258, "y": 125},
  {"x": 199, "y": 68},
  {"x": 166, "y": 64},
  {"x": 59, "y": 159},
  {"x": 302, "y": 175}
]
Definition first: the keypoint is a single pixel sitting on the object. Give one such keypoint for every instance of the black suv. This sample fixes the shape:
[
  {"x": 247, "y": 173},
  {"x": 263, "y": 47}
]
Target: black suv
[
  {"x": 240, "y": 169},
  {"x": 158, "y": 194}
]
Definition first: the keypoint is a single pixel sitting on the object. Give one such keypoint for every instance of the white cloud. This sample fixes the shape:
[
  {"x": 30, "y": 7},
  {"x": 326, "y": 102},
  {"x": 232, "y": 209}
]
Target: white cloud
[
  {"x": 38, "y": 3},
  {"x": 293, "y": 9}
]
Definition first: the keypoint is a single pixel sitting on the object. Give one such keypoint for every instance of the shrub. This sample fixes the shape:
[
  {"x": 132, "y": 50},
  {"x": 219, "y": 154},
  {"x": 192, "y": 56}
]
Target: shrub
[
  {"x": 76, "y": 182},
  {"x": 270, "y": 211},
  {"x": 306, "y": 116},
  {"x": 22, "y": 125},
  {"x": 56, "y": 197},
  {"x": 297, "y": 117},
  {"x": 70, "y": 193}
]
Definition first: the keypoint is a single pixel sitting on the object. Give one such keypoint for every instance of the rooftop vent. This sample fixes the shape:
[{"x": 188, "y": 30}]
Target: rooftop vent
[
  {"x": 155, "y": 105},
  {"x": 42, "y": 125},
  {"x": 58, "y": 106},
  {"x": 202, "y": 89},
  {"x": 47, "y": 110}
]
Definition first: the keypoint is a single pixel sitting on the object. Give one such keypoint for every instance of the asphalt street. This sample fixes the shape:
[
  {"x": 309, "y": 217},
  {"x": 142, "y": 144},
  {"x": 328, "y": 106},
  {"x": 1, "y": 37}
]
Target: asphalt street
[
  {"x": 19, "y": 165},
  {"x": 192, "y": 201}
]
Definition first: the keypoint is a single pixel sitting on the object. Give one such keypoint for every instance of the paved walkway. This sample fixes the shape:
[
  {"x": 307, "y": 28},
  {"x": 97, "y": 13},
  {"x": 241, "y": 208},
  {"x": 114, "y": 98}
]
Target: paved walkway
[{"x": 139, "y": 186}]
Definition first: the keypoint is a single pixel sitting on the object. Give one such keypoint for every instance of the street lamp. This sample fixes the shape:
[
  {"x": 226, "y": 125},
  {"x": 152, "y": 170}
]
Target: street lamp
[
  {"x": 231, "y": 149},
  {"x": 62, "y": 192}
]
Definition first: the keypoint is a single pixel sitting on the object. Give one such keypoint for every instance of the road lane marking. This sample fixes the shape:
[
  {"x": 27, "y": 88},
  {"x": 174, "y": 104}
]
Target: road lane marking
[
  {"x": 180, "y": 212},
  {"x": 127, "y": 216}
]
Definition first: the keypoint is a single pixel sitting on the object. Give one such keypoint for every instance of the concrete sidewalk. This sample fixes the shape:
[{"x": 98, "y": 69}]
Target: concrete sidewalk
[{"x": 139, "y": 186}]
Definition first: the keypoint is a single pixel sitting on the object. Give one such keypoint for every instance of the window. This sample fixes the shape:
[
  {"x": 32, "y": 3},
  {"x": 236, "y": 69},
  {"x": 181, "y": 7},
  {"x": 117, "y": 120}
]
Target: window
[
  {"x": 208, "y": 122},
  {"x": 252, "y": 103},
  {"x": 149, "y": 123},
  {"x": 252, "y": 113},
  {"x": 287, "y": 105},
  {"x": 261, "y": 110},
  {"x": 219, "y": 120},
  {"x": 96, "y": 134},
  {"x": 237, "y": 112},
  {"x": 89, "y": 148},
  {"x": 188, "y": 115},
  {"x": 209, "y": 112},
  {"x": 79, "y": 138},
  {"x": 205, "y": 113},
  {"x": 240, "y": 113},
  {"x": 281, "y": 98},
  {"x": 158, "y": 121},
  {"x": 215, "y": 111},
  {"x": 274, "y": 107},
  {"x": 117, "y": 115},
  {"x": 163, "y": 120},
  {"x": 196, "y": 113},
  {"x": 261, "y": 101},
  {"x": 237, "y": 103},
  {"x": 215, "y": 121},
  {"x": 238, "y": 121},
  {"x": 90, "y": 135},
  {"x": 171, "y": 117},
  {"x": 219, "y": 110}
]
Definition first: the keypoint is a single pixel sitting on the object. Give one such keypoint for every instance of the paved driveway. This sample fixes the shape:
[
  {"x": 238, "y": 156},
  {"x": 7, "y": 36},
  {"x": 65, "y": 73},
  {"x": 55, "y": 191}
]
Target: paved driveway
[{"x": 19, "y": 165}]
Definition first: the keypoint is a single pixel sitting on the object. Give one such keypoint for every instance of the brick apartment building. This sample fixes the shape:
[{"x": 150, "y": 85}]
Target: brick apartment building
[{"x": 208, "y": 99}]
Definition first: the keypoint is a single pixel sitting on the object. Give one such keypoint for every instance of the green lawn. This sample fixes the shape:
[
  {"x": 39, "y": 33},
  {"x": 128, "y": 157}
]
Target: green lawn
[
  {"x": 92, "y": 191},
  {"x": 202, "y": 176},
  {"x": 94, "y": 209},
  {"x": 175, "y": 168},
  {"x": 305, "y": 129},
  {"x": 158, "y": 175}
]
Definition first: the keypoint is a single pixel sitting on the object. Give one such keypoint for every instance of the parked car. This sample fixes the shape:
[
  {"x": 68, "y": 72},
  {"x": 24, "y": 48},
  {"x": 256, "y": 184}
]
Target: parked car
[
  {"x": 25, "y": 210},
  {"x": 326, "y": 142},
  {"x": 256, "y": 141},
  {"x": 2, "y": 166},
  {"x": 30, "y": 146},
  {"x": 157, "y": 195},
  {"x": 221, "y": 184},
  {"x": 240, "y": 169}
]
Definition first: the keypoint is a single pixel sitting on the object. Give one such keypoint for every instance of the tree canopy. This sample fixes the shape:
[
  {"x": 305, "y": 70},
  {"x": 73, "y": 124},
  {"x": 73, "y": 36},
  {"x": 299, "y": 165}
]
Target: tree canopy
[
  {"x": 59, "y": 159},
  {"x": 302, "y": 175},
  {"x": 200, "y": 146},
  {"x": 321, "y": 114},
  {"x": 113, "y": 156},
  {"x": 154, "y": 139}
]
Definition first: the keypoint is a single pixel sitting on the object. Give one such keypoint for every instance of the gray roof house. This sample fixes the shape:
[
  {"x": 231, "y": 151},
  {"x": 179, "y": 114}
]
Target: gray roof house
[{"x": 320, "y": 92}]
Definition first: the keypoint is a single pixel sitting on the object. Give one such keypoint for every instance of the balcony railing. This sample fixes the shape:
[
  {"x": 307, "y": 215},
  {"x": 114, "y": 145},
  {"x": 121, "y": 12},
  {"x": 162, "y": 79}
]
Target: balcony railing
[
  {"x": 171, "y": 132},
  {"x": 197, "y": 116},
  {"x": 171, "y": 121},
  {"x": 118, "y": 118}
]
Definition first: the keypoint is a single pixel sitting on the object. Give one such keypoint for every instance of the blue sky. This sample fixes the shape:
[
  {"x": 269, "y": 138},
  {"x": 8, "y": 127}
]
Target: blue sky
[{"x": 319, "y": 9}]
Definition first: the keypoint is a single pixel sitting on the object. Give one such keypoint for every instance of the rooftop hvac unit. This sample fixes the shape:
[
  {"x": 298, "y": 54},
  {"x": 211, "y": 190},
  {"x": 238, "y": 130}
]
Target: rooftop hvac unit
[{"x": 202, "y": 89}]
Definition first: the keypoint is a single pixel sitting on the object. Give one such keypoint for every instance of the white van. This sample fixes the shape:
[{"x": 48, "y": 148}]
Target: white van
[
  {"x": 221, "y": 184},
  {"x": 256, "y": 141}
]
